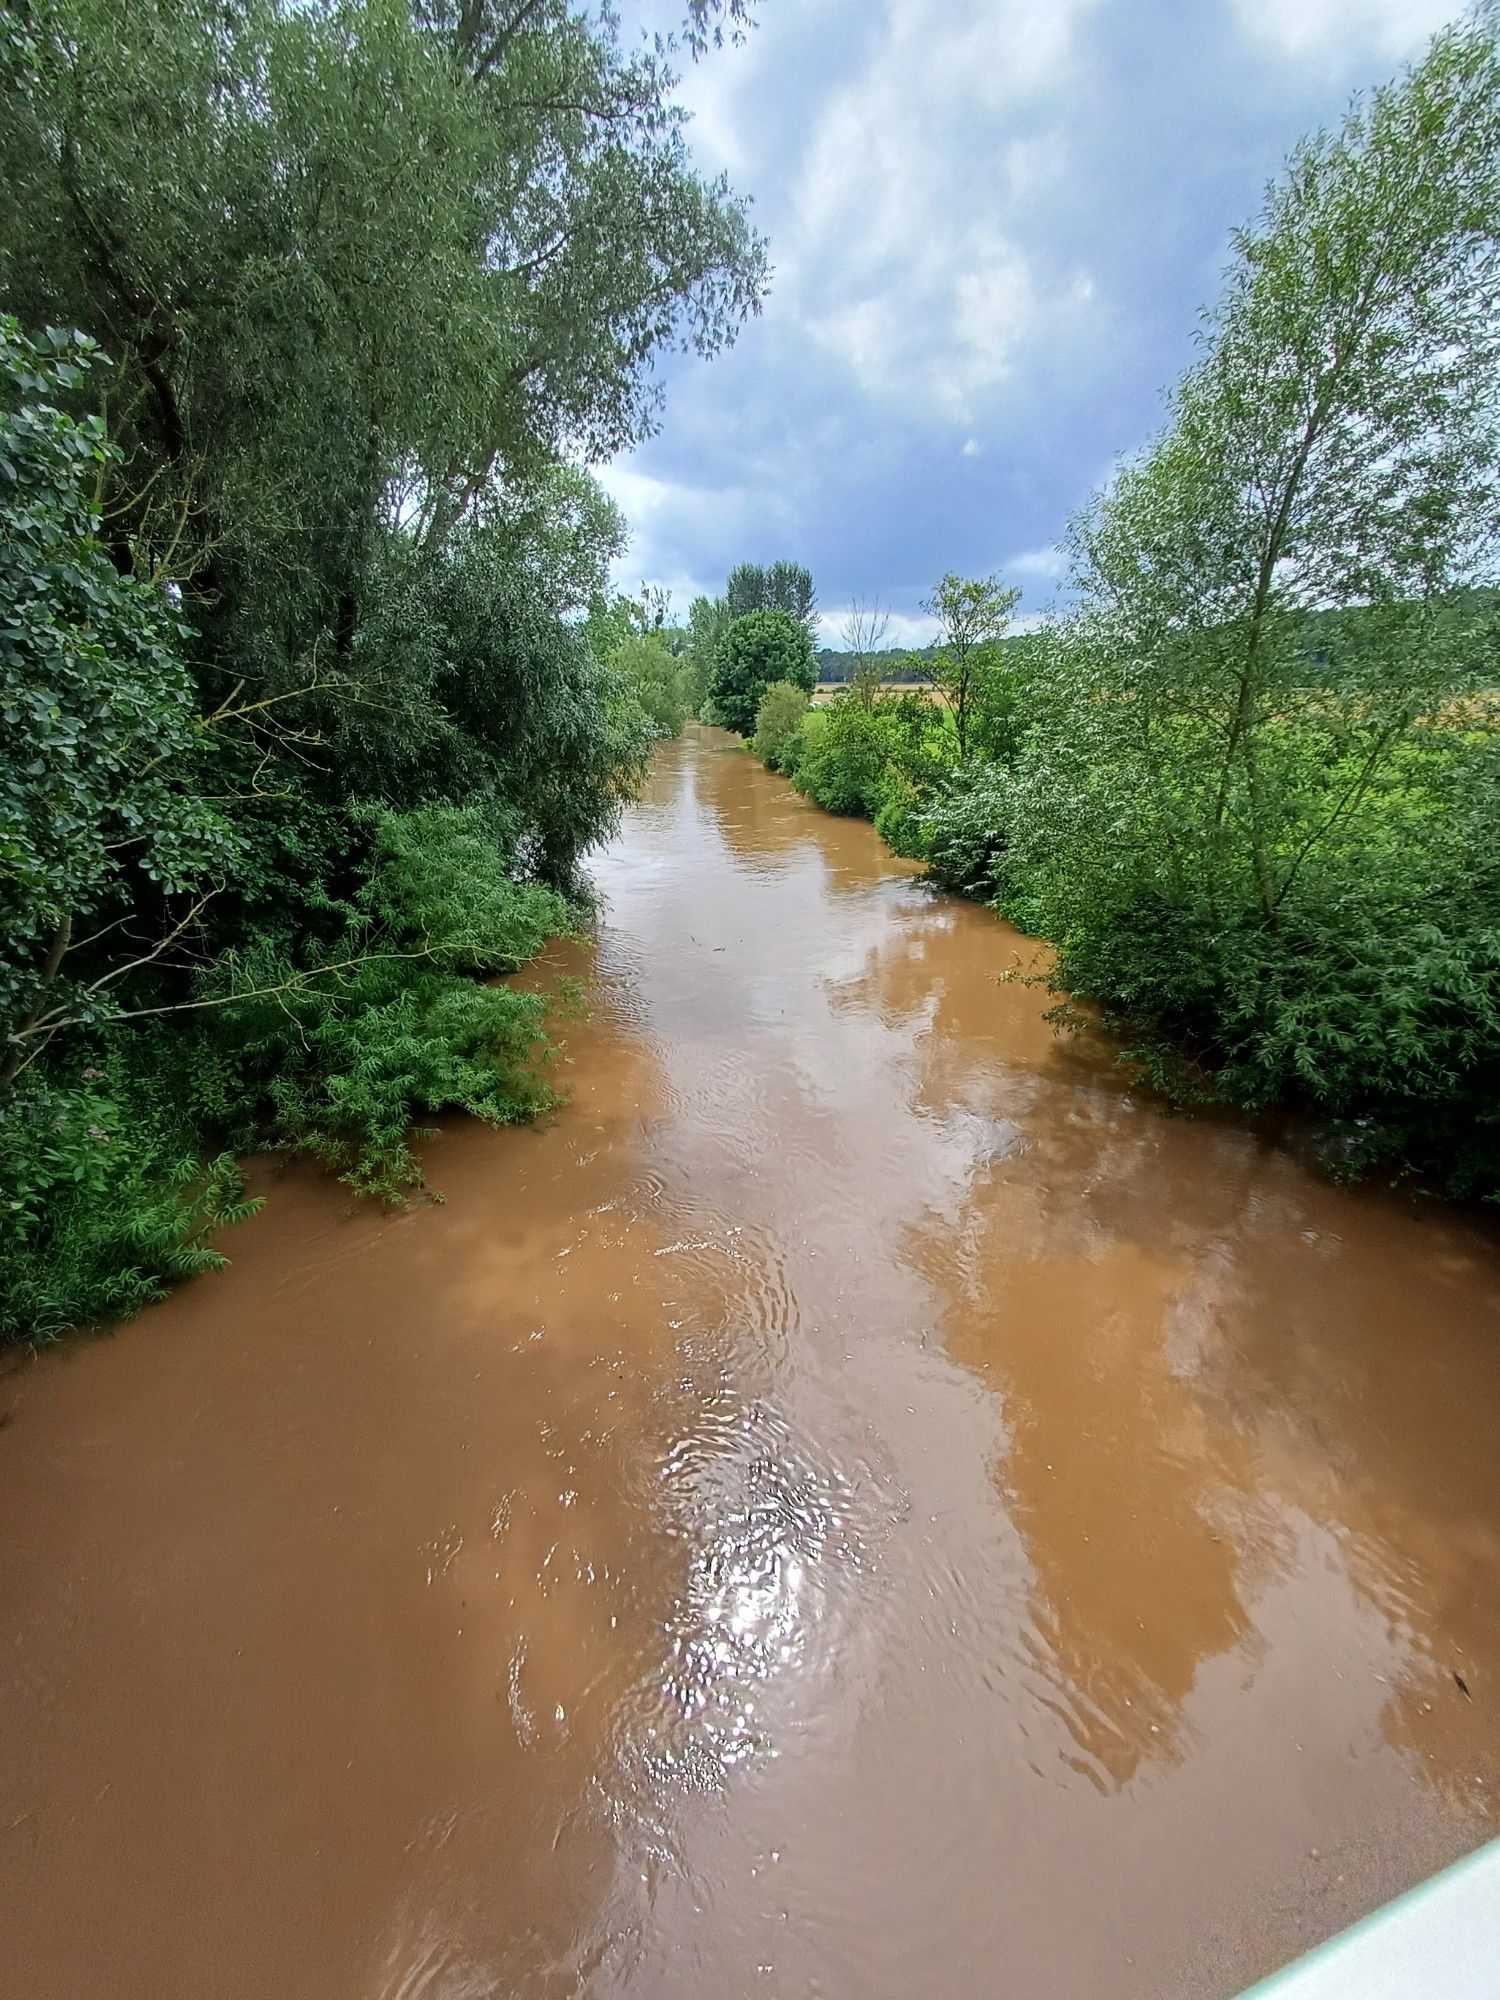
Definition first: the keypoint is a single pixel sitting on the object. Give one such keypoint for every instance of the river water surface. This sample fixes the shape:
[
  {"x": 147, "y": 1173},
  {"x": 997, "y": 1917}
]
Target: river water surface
[{"x": 857, "y": 1505}]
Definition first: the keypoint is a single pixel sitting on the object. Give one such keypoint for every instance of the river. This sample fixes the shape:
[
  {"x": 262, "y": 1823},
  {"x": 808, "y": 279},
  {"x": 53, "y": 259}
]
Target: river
[{"x": 858, "y": 1504}]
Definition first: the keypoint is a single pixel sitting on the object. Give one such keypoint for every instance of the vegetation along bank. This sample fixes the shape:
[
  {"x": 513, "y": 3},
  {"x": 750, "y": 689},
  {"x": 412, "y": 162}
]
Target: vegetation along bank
[
  {"x": 1250, "y": 785},
  {"x": 312, "y": 689}
]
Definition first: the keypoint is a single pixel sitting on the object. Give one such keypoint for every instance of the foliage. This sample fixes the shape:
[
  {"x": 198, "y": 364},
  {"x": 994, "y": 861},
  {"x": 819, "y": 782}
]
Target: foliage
[
  {"x": 777, "y": 720},
  {"x": 782, "y": 586},
  {"x": 757, "y": 650},
  {"x": 106, "y": 769},
  {"x": 874, "y": 759},
  {"x": 708, "y": 618},
  {"x": 1006, "y": 689},
  {"x": 1255, "y": 806},
  {"x": 966, "y": 831},
  {"x": 106, "y": 1199},
  {"x": 337, "y": 1050},
  {"x": 310, "y": 561},
  {"x": 297, "y": 359},
  {"x": 973, "y": 614},
  {"x": 658, "y": 682}
]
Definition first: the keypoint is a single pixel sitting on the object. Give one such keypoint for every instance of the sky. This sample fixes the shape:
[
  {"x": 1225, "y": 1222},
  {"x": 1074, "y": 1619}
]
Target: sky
[{"x": 992, "y": 226}]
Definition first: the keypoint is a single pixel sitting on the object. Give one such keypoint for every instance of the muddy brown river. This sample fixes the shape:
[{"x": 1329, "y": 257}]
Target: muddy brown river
[{"x": 858, "y": 1504}]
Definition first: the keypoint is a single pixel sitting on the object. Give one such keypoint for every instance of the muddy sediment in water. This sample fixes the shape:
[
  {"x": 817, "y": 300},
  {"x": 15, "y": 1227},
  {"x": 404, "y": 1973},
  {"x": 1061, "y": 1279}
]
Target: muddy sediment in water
[{"x": 857, "y": 1504}]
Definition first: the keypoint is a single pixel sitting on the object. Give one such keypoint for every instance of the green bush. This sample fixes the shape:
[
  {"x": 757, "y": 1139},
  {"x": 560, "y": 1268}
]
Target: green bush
[
  {"x": 777, "y": 720},
  {"x": 337, "y": 1048},
  {"x": 756, "y": 651},
  {"x": 966, "y": 831},
  {"x": 107, "y": 1199},
  {"x": 340, "y": 1052},
  {"x": 845, "y": 771},
  {"x": 876, "y": 756}
]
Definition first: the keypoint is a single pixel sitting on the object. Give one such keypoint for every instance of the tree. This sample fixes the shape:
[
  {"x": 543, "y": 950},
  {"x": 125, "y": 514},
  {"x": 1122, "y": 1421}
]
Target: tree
[
  {"x": 106, "y": 795},
  {"x": 655, "y": 679},
  {"x": 1334, "y": 446},
  {"x": 756, "y": 650},
  {"x": 746, "y": 590},
  {"x": 864, "y": 632},
  {"x": 300, "y": 365},
  {"x": 973, "y": 614},
  {"x": 789, "y": 588},
  {"x": 784, "y": 586},
  {"x": 708, "y": 618},
  {"x": 1248, "y": 802}
]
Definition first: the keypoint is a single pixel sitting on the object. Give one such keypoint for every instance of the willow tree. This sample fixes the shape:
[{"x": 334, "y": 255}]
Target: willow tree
[
  {"x": 358, "y": 263},
  {"x": 1250, "y": 795},
  {"x": 375, "y": 280}
]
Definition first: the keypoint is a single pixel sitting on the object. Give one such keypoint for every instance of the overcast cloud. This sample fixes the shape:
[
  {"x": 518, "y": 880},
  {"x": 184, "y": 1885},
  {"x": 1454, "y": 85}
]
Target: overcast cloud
[{"x": 992, "y": 224}]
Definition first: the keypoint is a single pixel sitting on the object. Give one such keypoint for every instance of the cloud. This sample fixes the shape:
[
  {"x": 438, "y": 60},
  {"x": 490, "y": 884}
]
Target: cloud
[
  {"x": 1299, "y": 29},
  {"x": 906, "y": 259},
  {"x": 909, "y": 630},
  {"x": 990, "y": 246},
  {"x": 669, "y": 520},
  {"x": 1048, "y": 564}
]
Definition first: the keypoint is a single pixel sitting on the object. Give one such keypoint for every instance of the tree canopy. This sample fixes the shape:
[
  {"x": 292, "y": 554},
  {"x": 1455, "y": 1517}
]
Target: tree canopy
[
  {"x": 757, "y": 650},
  {"x": 780, "y": 586},
  {"x": 300, "y": 568}
]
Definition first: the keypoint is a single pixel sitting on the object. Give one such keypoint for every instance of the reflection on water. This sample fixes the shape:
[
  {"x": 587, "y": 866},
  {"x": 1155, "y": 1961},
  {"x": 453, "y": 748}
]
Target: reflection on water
[{"x": 860, "y": 1504}]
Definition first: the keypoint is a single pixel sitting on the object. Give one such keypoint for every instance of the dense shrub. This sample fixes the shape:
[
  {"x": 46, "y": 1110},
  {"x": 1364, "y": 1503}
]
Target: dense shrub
[
  {"x": 336, "y": 1046},
  {"x": 777, "y": 720},
  {"x": 845, "y": 771},
  {"x": 875, "y": 758},
  {"x": 965, "y": 831},
  {"x": 107, "y": 1195},
  {"x": 337, "y": 1052}
]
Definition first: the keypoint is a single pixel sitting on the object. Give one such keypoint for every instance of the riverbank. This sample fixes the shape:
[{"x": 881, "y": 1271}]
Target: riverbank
[{"x": 1373, "y": 1027}]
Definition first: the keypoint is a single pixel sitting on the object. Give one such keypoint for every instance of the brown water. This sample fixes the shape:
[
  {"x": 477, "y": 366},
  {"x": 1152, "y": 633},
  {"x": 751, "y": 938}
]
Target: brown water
[{"x": 859, "y": 1505}]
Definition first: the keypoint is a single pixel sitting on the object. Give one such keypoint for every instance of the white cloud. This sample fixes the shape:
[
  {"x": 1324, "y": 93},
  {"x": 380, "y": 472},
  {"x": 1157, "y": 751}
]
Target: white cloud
[
  {"x": 664, "y": 515},
  {"x": 1047, "y": 564},
  {"x": 1302, "y": 29},
  {"x": 971, "y": 448},
  {"x": 903, "y": 257},
  {"x": 908, "y": 629}
]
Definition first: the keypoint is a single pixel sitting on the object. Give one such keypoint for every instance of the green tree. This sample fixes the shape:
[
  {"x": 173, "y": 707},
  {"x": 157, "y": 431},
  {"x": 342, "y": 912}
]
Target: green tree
[
  {"x": 783, "y": 586},
  {"x": 1249, "y": 799},
  {"x": 301, "y": 364},
  {"x": 708, "y": 617},
  {"x": 973, "y": 613},
  {"x": 107, "y": 789},
  {"x": 756, "y": 650},
  {"x": 656, "y": 679},
  {"x": 789, "y": 587}
]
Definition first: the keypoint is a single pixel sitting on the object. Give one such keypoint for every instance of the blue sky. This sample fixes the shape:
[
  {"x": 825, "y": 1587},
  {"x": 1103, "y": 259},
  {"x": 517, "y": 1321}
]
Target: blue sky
[{"x": 992, "y": 225}]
